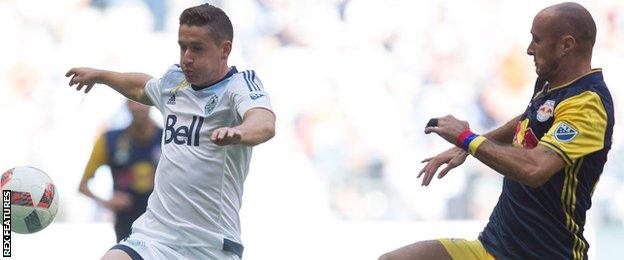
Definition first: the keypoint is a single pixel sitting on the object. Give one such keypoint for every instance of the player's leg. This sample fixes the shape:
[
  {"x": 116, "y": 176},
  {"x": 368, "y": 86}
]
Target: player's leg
[
  {"x": 116, "y": 254},
  {"x": 429, "y": 249},
  {"x": 441, "y": 249},
  {"x": 122, "y": 251}
]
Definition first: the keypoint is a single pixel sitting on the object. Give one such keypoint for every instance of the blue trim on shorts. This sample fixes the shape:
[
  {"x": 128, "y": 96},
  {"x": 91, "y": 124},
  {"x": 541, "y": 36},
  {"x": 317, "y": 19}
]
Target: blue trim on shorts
[
  {"x": 133, "y": 254},
  {"x": 233, "y": 247}
]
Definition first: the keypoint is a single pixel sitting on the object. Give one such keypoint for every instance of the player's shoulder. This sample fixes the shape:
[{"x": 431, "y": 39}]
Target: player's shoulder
[
  {"x": 174, "y": 69},
  {"x": 592, "y": 81},
  {"x": 174, "y": 78},
  {"x": 247, "y": 80}
]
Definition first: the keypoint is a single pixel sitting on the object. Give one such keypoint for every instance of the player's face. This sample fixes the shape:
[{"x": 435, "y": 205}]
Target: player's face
[
  {"x": 542, "y": 48},
  {"x": 201, "y": 58}
]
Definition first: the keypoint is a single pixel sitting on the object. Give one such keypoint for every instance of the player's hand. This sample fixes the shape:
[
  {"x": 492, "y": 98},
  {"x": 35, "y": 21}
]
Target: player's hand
[
  {"x": 83, "y": 77},
  {"x": 226, "y": 136},
  {"x": 120, "y": 201},
  {"x": 452, "y": 158},
  {"x": 448, "y": 128}
]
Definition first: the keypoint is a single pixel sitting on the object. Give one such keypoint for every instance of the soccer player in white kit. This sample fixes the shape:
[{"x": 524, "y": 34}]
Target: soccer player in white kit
[{"x": 213, "y": 115}]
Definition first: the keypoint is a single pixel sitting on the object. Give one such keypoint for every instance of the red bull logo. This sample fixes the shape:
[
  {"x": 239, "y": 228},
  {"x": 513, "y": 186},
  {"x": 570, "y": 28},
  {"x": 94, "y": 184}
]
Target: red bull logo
[
  {"x": 546, "y": 111},
  {"x": 530, "y": 140},
  {"x": 524, "y": 136}
]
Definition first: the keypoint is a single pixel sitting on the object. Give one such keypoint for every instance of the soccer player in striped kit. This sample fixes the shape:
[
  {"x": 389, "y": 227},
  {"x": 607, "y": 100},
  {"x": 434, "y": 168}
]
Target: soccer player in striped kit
[
  {"x": 213, "y": 116},
  {"x": 551, "y": 156}
]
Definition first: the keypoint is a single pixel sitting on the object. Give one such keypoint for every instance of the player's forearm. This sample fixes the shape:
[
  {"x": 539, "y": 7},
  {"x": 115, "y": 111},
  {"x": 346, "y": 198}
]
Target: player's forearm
[
  {"x": 257, "y": 134},
  {"x": 84, "y": 189},
  {"x": 131, "y": 85},
  {"x": 257, "y": 128},
  {"x": 516, "y": 163},
  {"x": 504, "y": 134}
]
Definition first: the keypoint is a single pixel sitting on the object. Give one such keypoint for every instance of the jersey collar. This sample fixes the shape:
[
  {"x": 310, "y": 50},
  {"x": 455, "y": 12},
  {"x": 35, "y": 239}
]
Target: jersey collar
[
  {"x": 551, "y": 88},
  {"x": 232, "y": 71}
]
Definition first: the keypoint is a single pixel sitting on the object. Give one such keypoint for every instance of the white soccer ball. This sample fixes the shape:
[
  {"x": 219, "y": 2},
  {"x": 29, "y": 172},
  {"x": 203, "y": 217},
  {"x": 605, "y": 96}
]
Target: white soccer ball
[{"x": 34, "y": 199}]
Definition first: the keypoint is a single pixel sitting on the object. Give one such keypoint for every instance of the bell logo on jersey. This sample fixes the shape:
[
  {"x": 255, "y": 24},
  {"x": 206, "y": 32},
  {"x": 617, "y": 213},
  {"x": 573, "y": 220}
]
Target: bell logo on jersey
[
  {"x": 188, "y": 135},
  {"x": 565, "y": 133}
]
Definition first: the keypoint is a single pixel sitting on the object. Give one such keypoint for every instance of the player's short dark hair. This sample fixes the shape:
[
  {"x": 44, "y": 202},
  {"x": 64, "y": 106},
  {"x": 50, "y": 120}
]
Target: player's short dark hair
[{"x": 206, "y": 14}]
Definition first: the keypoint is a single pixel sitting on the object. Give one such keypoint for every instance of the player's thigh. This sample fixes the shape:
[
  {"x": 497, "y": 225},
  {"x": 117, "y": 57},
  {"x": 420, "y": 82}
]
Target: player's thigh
[
  {"x": 428, "y": 249},
  {"x": 116, "y": 254}
]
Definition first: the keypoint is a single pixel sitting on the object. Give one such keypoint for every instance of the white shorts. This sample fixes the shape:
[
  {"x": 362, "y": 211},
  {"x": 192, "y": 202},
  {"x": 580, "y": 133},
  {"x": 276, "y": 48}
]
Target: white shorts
[{"x": 140, "y": 247}]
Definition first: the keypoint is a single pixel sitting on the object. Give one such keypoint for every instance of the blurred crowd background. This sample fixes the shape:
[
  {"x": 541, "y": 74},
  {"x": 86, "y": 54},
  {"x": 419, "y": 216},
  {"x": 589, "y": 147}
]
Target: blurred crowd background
[{"x": 353, "y": 83}]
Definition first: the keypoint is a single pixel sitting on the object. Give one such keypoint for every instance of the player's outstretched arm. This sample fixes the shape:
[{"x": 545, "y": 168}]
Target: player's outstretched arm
[
  {"x": 532, "y": 167},
  {"x": 258, "y": 127},
  {"x": 131, "y": 85},
  {"x": 455, "y": 156}
]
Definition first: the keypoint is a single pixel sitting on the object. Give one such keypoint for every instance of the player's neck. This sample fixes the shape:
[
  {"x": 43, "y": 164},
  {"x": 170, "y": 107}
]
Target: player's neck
[
  {"x": 223, "y": 73},
  {"x": 218, "y": 76},
  {"x": 569, "y": 73}
]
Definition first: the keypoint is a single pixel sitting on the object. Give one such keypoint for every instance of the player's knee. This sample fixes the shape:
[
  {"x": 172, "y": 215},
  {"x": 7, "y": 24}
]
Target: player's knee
[
  {"x": 387, "y": 256},
  {"x": 116, "y": 254}
]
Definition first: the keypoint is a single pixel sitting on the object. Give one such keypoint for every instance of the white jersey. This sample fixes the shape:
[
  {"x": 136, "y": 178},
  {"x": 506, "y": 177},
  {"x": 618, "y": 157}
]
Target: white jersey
[{"x": 198, "y": 184}]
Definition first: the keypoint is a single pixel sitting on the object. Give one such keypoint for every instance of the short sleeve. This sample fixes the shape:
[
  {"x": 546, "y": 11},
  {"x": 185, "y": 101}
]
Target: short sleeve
[
  {"x": 579, "y": 127},
  {"x": 250, "y": 94},
  {"x": 153, "y": 88},
  {"x": 98, "y": 157}
]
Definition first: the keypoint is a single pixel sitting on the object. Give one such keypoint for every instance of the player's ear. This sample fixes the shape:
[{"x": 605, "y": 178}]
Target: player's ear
[
  {"x": 226, "y": 48},
  {"x": 568, "y": 43}
]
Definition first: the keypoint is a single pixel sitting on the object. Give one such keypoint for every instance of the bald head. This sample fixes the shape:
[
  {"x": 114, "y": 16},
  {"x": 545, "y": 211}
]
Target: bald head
[{"x": 574, "y": 20}]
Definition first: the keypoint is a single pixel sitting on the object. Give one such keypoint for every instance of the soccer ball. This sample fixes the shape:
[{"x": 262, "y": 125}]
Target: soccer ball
[{"x": 34, "y": 199}]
